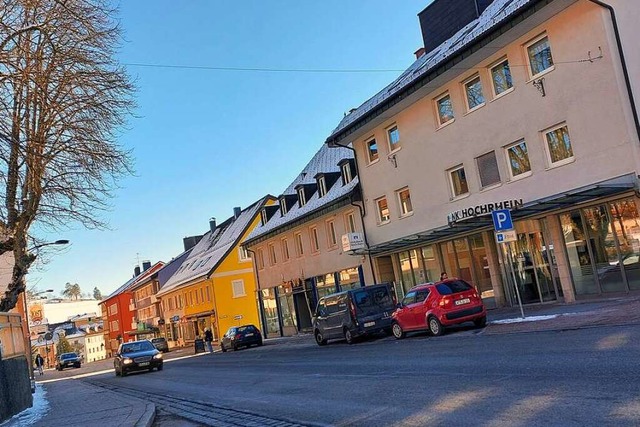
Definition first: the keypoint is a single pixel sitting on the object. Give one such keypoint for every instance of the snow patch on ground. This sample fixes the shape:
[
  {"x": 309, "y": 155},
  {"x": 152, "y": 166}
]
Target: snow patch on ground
[
  {"x": 30, "y": 416},
  {"x": 526, "y": 319}
]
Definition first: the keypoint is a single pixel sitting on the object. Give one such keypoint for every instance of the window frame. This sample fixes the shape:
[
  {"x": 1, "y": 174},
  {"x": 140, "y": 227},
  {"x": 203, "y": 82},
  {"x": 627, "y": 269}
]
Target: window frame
[
  {"x": 530, "y": 43},
  {"x": 332, "y": 237},
  {"x": 508, "y": 160},
  {"x": 492, "y": 185},
  {"x": 302, "y": 198},
  {"x": 550, "y": 163},
  {"x": 436, "y": 101},
  {"x": 465, "y": 89},
  {"x": 299, "y": 243},
  {"x": 314, "y": 238},
  {"x": 260, "y": 258},
  {"x": 243, "y": 254},
  {"x": 283, "y": 207},
  {"x": 388, "y": 131},
  {"x": 233, "y": 288},
  {"x": 286, "y": 255},
  {"x": 382, "y": 221},
  {"x": 273, "y": 259},
  {"x": 349, "y": 220},
  {"x": 451, "y": 185},
  {"x": 400, "y": 205},
  {"x": 346, "y": 173},
  {"x": 371, "y": 161},
  {"x": 493, "y": 66},
  {"x": 322, "y": 186}
]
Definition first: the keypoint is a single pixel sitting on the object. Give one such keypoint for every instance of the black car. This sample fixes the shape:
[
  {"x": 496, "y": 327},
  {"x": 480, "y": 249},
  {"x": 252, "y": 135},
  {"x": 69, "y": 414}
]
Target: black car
[
  {"x": 241, "y": 336},
  {"x": 137, "y": 356},
  {"x": 67, "y": 360},
  {"x": 354, "y": 313},
  {"x": 161, "y": 344}
]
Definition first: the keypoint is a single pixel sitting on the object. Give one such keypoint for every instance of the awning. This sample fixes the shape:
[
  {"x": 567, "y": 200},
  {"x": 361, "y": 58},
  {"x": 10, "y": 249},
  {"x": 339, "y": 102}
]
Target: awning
[{"x": 480, "y": 223}]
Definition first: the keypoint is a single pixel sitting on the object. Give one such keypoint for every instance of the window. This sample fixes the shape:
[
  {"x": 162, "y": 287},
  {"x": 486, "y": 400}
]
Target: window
[
  {"x": 197, "y": 297},
  {"x": 404, "y": 200},
  {"x": 283, "y": 206},
  {"x": 332, "y": 239},
  {"x": 473, "y": 93},
  {"x": 263, "y": 216},
  {"x": 115, "y": 326},
  {"x": 260, "y": 259},
  {"x": 322, "y": 186},
  {"x": 445, "y": 109},
  {"x": 243, "y": 254},
  {"x": 299, "y": 246},
  {"x": 383, "y": 210},
  {"x": 315, "y": 245},
  {"x": 372, "y": 150},
  {"x": 458, "y": 179},
  {"x": 301, "y": 197},
  {"x": 501, "y": 78},
  {"x": 488, "y": 169},
  {"x": 394, "y": 138},
  {"x": 558, "y": 145},
  {"x": 350, "y": 222},
  {"x": 208, "y": 294},
  {"x": 285, "y": 250},
  {"x": 346, "y": 173},
  {"x": 539, "y": 53},
  {"x": 201, "y": 295},
  {"x": 272, "y": 254},
  {"x": 238, "y": 288},
  {"x": 518, "y": 159}
]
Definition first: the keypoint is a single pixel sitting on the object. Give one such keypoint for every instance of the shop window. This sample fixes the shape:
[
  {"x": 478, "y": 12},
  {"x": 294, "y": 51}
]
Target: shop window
[
  {"x": 518, "y": 158},
  {"x": 488, "y": 169},
  {"x": 383, "y": 210},
  {"x": 539, "y": 54},
  {"x": 444, "y": 108},
  {"x": 458, "y": 181},
  {"x": 558, "y": 145},
  {"x": 404, "y": 202},
  {"x": 372, "y": 150},
  {"x": 473, "y": 93},
  {"x": 501, "y": 79},
  {"x": 393, "y": 137}
]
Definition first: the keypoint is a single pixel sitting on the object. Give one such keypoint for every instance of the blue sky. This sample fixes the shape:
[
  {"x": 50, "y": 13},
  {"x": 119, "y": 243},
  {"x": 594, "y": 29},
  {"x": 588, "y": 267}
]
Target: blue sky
[{"x": 205, "y": 141}]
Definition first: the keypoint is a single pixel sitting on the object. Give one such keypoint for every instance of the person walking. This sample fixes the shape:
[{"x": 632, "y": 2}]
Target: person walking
[
  {"x": 40, "y": 364},
  {"x": 208, "y": 337}
]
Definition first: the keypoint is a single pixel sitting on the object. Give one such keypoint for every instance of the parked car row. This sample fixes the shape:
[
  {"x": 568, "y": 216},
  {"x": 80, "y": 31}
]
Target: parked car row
[{"x": 428, "y": 307}]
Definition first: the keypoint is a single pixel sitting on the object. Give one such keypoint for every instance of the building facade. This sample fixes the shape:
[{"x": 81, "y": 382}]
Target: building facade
[
  {"x": 297, "y": 248},
  {"x": 527, "y": 106},
  {"x": 146, "y": 305}
]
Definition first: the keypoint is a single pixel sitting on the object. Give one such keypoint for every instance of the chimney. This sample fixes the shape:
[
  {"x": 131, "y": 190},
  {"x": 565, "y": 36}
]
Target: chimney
[
  {"x": 443, "y": 18},
  {"x": 146, "y": 265},
  {"x": 212, "y": 224},
  {"x": 136, "y": 271},
  {"x": 420, "y": 52},
  {"x": 236, "y": 212},
  {"x": 190, "y": 241}
]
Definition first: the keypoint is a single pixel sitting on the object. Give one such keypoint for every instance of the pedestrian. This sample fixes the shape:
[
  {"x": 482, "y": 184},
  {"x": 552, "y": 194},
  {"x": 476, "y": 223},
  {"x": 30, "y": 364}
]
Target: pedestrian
[
  {"x": 40, "y": 364},
  {"x": 443, "y": 275},
  {"x": 208, "y": 337}
]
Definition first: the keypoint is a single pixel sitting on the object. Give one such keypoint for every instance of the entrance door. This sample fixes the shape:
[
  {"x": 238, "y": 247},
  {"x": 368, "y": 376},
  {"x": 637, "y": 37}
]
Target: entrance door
[{"x": 529, "y": 263}]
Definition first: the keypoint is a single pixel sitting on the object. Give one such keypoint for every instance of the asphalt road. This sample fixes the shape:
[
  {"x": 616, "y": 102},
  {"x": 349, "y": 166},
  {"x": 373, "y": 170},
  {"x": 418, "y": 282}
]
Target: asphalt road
[{"x": 587, "y": 377}]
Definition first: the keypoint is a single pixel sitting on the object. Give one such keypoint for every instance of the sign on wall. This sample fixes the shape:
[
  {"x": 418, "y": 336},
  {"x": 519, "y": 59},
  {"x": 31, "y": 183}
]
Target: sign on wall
[
  {"x": 484, "y": 209},
  {"x": 352, "y": 242}
]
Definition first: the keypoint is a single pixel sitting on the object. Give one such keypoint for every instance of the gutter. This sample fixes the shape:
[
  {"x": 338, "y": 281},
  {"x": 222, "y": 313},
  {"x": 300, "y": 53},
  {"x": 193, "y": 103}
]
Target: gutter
[{"x": 623, "y": 62}]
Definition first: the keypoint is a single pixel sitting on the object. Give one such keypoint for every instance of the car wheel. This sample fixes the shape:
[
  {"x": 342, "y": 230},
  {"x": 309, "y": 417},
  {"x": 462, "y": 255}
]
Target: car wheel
[
  {"x": 348, "y": 336},
  {"x": 397, "y": 331},
  {"x": 235, "y": 347},
  {"x": 160, "y": 367},
  {"x": 260, "y": 343},
  {"x": 117, "y": 373},
  {"x": 435, "y": 327},
  {"x": 123, "y": 373},
  {"x": 480, "y": 322},
  {"x": 319, "y": 338},
  {"x": 224, "y": 350}
]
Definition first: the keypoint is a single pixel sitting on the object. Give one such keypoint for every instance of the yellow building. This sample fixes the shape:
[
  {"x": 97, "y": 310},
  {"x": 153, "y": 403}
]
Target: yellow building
[{"x": 215, "y": 285}]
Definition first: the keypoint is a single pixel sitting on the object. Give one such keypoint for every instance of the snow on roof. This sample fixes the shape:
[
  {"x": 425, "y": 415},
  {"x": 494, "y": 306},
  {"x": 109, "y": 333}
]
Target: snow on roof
[
  {"x": 324, "y": 161},
  {"x": 213, "y": 247},
  {"x": 496, "y": 13},
  {"x": 135, "y": 280}
]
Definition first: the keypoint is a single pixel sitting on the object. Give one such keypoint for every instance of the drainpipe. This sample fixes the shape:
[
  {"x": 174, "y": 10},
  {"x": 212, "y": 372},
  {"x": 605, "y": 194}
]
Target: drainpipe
[
  {"x": 362, "y": 210},
  {"x": 623, "y": 62}
]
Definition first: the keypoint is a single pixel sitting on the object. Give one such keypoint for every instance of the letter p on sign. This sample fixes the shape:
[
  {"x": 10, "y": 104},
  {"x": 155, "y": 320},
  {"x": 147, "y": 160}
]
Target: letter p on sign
[{"x": 502, "y": 220}]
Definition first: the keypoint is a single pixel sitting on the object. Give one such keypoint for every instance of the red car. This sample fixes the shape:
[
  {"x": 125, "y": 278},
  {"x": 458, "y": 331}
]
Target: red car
[{"x": 433, "y": 306}]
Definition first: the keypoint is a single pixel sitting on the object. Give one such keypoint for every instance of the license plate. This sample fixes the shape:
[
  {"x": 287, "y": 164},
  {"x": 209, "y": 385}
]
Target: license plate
[
  {"x": 463, "y": 301},
  {"x": 367, "y": 324},
  {"x": 249, "y": 335},
  {"x": 143, "y": 364}
]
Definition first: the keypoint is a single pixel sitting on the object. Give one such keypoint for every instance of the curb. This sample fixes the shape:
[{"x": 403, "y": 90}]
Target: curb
[
  {"x": 149, "y": 416},
  {"x": 561, "y": 329}
]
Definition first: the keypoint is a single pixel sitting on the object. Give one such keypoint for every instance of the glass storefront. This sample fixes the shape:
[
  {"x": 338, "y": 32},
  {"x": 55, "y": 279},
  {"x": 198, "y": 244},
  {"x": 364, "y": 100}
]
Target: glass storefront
[
  {"x": 287, "y": 311},
  {"x": 431, "y": 264},
  {"x": 270, "y": 310},
  {"x": 409, "y": 268},
  {"x": 349, "y": 279},
  {"x": 325, "y": 285}
]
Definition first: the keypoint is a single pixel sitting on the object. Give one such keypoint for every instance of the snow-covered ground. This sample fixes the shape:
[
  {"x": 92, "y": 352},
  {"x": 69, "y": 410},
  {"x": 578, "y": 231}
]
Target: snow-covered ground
[
  {"x": 30, "y": 416},
  {"x": 526, "y": 319}
]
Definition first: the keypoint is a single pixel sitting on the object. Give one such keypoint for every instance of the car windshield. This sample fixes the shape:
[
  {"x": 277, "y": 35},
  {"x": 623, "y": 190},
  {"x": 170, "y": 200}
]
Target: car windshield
[
  {"x": 243, "y": 329},
  {"x": 157, "y": 340},
  {"x": 453, "y": 287},
  {"x": 137, "y": 346},
  {"x": 68, "y": 356},
  {"x": 371, "y": 301}
]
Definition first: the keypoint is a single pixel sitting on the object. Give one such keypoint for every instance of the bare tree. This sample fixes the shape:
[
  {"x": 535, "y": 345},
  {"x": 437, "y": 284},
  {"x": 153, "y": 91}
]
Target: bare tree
[
  {"x": 63, "y": 99},
  {"x": 72, "y": 291}
]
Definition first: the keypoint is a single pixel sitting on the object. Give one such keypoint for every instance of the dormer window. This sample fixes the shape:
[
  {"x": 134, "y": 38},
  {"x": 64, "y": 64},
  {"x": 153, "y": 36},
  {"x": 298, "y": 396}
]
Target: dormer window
[
  {"x": 283, "y": 206},
  {"x": 263, "y": 216},
  {"x": 346, "y": 173},
  {"x": 322, "y": 186},
  {"x": 301, "y": 197}
]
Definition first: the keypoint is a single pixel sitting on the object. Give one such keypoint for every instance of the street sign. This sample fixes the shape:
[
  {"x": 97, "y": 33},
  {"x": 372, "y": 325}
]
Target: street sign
[
  {"x": 506, "y": 236},
  {"x": 502, "y": 220}
]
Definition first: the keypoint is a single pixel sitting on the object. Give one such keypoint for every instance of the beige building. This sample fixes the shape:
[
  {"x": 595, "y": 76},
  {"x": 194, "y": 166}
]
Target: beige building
[
  {"x": 527, "y": 106},
  {"x": 298, "y": 250}
]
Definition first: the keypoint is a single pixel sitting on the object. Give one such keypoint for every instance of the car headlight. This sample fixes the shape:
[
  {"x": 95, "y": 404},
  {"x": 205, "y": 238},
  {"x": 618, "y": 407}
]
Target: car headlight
[
  {"x": 127, "y": 361},
  {"x": 158, "y": 356}
]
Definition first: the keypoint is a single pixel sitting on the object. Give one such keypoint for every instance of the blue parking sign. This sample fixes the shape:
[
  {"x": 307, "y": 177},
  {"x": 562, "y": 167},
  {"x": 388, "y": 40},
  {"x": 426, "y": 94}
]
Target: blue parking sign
[{"x": 502, "y": 220}]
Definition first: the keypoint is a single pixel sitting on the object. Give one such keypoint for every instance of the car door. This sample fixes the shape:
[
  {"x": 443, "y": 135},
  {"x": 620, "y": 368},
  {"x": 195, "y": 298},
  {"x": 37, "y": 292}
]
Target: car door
[
  {"x": 335, "y": 311},
  {"x": 321, "y": 317},
  {"x": 404, "y": 314},
  {"x": 420, "y": 308}
]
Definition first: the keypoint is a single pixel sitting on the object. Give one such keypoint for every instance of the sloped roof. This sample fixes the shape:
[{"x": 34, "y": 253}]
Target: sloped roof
[
  {"x": 495, "y": 14},
  {"x": 135, "y": 280},
  {"x": 170, "y": 268},
  {"x": 211, "y": 250},
  {"x": 324, "y": 161}
]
